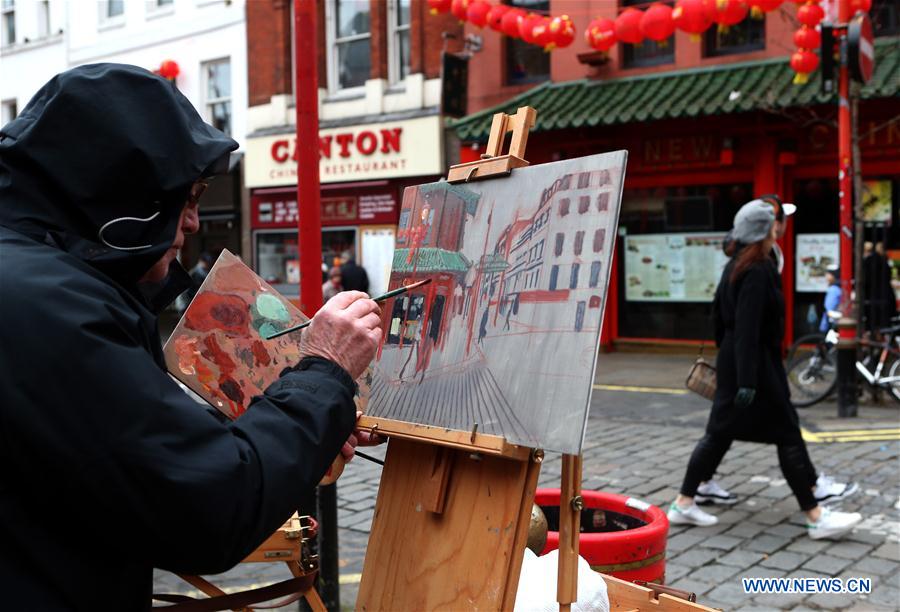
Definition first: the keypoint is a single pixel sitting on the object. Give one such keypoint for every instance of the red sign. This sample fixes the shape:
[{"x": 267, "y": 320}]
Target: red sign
[
  {"x": 279, "y": 210},
  {"x": 861, "y": 48}
]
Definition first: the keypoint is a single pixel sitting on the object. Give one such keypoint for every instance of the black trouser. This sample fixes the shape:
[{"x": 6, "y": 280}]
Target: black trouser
[{"x": 795, "y": 464}]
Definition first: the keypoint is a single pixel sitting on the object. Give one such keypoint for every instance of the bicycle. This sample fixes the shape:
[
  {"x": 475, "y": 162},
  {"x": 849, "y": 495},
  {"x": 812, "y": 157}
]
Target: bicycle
[{"x": 812, "y": 365}]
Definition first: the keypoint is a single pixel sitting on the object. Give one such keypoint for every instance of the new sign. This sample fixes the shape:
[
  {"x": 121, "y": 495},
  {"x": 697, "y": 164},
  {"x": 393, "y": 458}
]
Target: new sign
[{"x": 352, "y": 153}]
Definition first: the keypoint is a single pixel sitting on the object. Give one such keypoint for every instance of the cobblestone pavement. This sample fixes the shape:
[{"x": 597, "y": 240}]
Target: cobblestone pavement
[{"x": 639, "y": 441}]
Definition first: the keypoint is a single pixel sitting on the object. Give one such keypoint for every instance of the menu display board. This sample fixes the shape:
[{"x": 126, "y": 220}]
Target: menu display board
[
  {"x": 815, "y": 254},
  {"x": 673, "y": 267}
]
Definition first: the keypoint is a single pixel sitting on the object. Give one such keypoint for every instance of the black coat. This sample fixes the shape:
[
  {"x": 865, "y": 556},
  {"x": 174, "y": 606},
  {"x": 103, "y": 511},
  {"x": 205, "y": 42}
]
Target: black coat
[
  {"x": 354, "y": 277},
  {"x": 749, "y": 328},
  {"x": 109, "y": 469}
]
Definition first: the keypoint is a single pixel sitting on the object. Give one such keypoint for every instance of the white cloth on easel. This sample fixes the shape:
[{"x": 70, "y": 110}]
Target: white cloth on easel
[{"x": 537, "y": 586}]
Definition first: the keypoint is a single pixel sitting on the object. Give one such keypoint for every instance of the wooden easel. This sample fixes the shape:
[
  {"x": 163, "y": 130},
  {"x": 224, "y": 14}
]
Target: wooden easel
[{"x": 453, "y": 509}]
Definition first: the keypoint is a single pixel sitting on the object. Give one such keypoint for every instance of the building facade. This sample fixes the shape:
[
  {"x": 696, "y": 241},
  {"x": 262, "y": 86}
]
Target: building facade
[
  {"x": 203, "y": 38},
  {"x": 379, "y": 66},
  {"x": 708, "y": 126}
]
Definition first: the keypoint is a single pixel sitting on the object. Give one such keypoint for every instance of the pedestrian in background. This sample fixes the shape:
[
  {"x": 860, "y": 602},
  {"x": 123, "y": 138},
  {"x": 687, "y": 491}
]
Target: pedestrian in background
[
  {"x": 880, "y": 301},
  {"x": 832, "y": 297},
  {"x": 752, "y": 400},
  {"x": 333, "y": 285},
  {"x": 354, "y": 276}
]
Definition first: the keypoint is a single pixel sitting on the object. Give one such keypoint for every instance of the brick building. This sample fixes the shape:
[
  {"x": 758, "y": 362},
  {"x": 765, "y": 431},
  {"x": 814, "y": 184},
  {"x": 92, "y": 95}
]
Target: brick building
[
  {"x": 708, "y": 125},
  {"x": 379, "y": 66}
]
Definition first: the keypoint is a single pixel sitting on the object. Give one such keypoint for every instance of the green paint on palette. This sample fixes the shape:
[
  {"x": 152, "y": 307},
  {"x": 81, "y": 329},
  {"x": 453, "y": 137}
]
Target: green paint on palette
[
  {"x": 267, "y": 329},
  {"x": 270, "y": 307}
]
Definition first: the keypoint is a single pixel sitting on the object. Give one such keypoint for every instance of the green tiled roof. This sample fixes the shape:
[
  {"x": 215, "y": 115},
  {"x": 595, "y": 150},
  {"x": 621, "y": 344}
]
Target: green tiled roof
[
  {"x": 429, "y": 259},
  {"x": 714, "y": 90}
]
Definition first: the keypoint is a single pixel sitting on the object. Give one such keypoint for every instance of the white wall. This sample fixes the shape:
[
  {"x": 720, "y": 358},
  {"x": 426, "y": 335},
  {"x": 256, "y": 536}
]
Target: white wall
[{"x": 188, "y": 31}]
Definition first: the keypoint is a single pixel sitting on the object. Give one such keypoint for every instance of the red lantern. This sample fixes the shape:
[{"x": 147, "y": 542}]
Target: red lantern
[
  {"x": 656, "y": 23},
  {"x": 509, "y": 23},
  {"x": 628, "y": 26},
  {"x": 689, "y": 16},
  {"x": 459, "y": 8},
  {"x": 542, "y": 35},
  {"x": 601, "y": 34},
  {"x": 807, "y": 38},
  {"x": 803, "y": 62},
  {"x": 759, "y": 7},
  {"x": 477, "y": 12},
  {"x": 495, "y": 16},
  {"x": 439, "y": 6},
  {"x": 563, "y": 31},
  {"x": 810, "y": 14},
  {"x": 527, "y": 26},
  {"x": 860, "y": 5},
  {"x": 169, "y": 70},
  {"x": 726, "y": 13}
]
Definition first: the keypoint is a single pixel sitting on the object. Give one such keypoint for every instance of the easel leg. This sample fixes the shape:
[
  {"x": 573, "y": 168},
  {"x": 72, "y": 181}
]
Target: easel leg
[
  {"x": 315, "y": 602},
  {"x": 570, "y": 505}
]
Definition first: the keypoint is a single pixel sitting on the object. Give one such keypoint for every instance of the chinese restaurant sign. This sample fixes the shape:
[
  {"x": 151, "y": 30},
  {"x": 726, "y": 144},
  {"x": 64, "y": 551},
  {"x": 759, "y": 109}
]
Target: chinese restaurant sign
[{"x": 351, "y": 153}]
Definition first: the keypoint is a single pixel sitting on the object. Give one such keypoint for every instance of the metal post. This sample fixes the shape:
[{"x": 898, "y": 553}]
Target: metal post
[
  {"x": 309, "y": 242},
  {"x": 846, "y": 360}
]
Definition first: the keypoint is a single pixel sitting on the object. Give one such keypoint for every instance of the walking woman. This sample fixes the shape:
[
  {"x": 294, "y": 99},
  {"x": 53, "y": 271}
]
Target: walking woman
[{"x": 752, "y": 401}]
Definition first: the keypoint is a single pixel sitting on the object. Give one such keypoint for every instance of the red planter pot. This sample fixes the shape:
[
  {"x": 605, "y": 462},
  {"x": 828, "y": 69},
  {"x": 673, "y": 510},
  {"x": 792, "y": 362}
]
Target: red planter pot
[{"x": 637, "y": 552}]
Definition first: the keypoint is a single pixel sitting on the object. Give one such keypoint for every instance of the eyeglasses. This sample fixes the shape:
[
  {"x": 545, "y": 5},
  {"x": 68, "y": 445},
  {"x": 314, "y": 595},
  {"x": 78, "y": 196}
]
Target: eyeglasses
[{"x": 197, "y": 190}]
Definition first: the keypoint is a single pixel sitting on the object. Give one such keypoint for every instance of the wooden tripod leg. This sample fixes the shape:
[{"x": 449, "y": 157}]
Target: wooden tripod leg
[
  {"x": 570, "y": 505},
  {"x": 314, "y": 601},
  {"x": 206, "y": 587}
]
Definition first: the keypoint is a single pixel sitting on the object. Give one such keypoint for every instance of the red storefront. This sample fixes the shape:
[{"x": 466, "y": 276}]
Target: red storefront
[{"x": 687, "y": 177}]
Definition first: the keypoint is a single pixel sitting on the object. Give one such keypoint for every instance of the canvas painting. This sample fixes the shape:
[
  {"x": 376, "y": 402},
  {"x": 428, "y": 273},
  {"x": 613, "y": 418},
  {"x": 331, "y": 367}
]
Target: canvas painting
[
  {"x": 506, "y": 334},
  {"x": 220, "y": 350}
]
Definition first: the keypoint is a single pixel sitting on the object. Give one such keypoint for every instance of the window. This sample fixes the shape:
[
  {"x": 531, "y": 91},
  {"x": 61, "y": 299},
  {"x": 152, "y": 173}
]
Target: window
[
  {"x": 43, "y": 18},
  {"x": 349, "y": 56},
  {"x": 579, "y": 242},
  {"x": 603, "y": 201},
  {"x": 885, "y": 16},
  {"x": 584, "y": 203},
  {"x": 526, "y": 63},
  {"x": 584, "y": 180},
  {"x": 573, "y": 278},
  {"x": 10, "y": 111},
  {"x": 113, "y": 8},
  {"x": 748, "y": 35},
  {"x": 564, "y": 207},
  {"x": 560, "y": 240},
  {"x": 595, "y": 274},
  {"x": 8, "y": 9},
  {"x": 218, "y": 94},
  {"x": 566, "y": 182},
  {"x": 649, "y": 52},
  {"x": 579, "y": 316},
  {"x": 554, "y": 276},
  {"x": 599, "y": 239},
  {"x": 398, "y": 20}
]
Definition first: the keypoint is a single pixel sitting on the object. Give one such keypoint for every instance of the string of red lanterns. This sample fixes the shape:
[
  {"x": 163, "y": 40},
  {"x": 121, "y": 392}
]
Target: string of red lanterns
[{"x": 657, "y": 23}]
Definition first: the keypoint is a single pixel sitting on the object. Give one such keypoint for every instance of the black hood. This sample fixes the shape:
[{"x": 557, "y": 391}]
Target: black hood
[{"x": 100, "y": 164}]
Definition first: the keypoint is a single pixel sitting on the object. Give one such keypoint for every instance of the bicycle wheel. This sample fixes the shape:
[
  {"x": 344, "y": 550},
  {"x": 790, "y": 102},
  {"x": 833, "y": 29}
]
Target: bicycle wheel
[
  {"x": 804, "y": 344},
  {"x": 894, "y": 388},
  {"x": 812, "y": 374}
]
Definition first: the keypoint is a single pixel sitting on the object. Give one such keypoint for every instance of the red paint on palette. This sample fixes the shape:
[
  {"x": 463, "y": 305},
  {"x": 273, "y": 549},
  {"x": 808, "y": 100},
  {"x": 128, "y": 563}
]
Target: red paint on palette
[
  {"x": 211, "y": 311},
  {"x": 260, "y": 353}
]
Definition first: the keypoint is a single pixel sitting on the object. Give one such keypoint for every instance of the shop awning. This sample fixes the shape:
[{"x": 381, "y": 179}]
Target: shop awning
[
  {"x": 698, "y": 92},
  {"x": 429, "y": 259}
]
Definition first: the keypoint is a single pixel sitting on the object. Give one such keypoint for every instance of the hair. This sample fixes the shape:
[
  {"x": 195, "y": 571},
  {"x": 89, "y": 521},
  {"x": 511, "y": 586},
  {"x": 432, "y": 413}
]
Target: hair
[{"x": 750, "y": 255}]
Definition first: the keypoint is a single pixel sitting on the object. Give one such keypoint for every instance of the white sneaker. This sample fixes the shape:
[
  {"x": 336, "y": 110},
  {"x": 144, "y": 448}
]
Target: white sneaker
[
  {"x": 828, "y": 490},
  {"x": 711, "y": 493},
  {"x": 692, "y": 515},
  {"x": 833, "y": 524}
]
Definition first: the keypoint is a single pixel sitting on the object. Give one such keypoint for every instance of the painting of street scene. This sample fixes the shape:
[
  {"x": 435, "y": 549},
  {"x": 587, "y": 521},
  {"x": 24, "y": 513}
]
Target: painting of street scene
[{"x": 506, "y": 335}]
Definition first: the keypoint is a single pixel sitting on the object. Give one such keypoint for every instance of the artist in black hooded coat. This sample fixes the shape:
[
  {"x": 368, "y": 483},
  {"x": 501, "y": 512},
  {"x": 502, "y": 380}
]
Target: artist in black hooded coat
[{"x": 109, "y": 469}]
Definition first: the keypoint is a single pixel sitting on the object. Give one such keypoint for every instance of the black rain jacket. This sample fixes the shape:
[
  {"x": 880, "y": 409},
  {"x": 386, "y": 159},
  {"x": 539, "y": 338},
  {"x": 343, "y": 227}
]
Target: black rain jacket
[
  {"x": 107, "y": 469},
  {"x": 748, "y": 317}
]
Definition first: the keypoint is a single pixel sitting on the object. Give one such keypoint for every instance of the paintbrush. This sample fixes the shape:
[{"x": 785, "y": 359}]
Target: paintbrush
[{"x": 380, "y": 298}]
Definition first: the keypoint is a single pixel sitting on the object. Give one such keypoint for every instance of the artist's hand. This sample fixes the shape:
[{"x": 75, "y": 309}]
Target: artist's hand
[
  {"x": 359, "y": 437},
  {"x": 346, "y": 330},
  {"x": 744, "y": 397}
]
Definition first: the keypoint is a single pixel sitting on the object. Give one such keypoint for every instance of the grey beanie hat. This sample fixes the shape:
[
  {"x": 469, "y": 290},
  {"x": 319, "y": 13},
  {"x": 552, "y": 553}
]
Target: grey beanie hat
[{"x": 753, "y": 222}]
